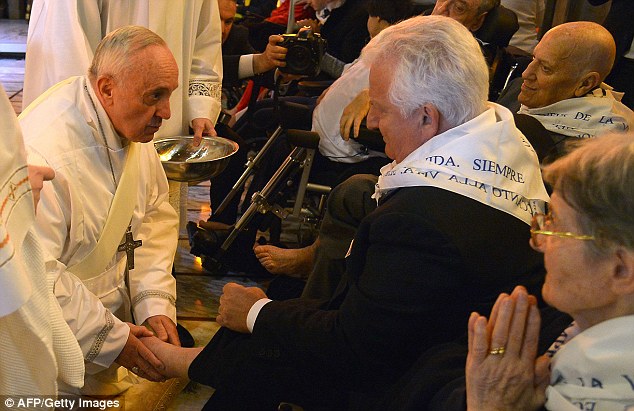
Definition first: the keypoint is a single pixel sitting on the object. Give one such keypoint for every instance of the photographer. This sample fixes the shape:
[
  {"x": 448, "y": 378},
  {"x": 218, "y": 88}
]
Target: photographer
[{"x": 239, "y": 59}]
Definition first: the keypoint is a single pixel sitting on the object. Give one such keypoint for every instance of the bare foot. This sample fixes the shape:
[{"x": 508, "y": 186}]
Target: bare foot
[
  {"x": 176, "y": 359},
  {"x": 294, "y": 262}
]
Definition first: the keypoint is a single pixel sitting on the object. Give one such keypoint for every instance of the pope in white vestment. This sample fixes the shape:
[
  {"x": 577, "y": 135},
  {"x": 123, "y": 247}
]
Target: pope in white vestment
[
  {"x": 64, "y": 130},
  {"x": 63, "y": 35},
  {"x": 36, "y": 345}
]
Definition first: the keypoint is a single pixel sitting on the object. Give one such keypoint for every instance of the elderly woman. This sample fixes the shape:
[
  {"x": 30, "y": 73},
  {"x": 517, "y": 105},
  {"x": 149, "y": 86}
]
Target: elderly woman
[{"x": 588, "y": 243}]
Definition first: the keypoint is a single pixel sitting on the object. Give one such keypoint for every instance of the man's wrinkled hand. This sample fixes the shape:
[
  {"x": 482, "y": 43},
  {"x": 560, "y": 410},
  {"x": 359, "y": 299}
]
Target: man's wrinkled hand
[
  {"x": 273, "y": 56},
  {"x": 202, "y": 127},
  {"x": 164, "y": 328},
  {"x": 235, "y": 303},
  {"x": 353, "y": 115},
  {"x": 137, "y": 358}
]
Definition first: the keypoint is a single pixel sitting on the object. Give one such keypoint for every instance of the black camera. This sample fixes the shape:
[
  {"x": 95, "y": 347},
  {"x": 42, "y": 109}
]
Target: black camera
[{"x": 305, "y": 51}]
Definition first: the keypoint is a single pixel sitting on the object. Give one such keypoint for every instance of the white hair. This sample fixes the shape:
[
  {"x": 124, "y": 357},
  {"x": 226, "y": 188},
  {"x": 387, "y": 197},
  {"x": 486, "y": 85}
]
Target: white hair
[
  {"x": 117, "y": 49},
  {"x": 434, "y": 60}
]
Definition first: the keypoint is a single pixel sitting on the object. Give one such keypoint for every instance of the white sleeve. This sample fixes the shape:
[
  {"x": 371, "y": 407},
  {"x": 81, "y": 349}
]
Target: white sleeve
[
  {"x": 100, "y": 334},
  {"x": 205, "y": 79},
  {"x": 245, "y": 66},
  {"x": 254, "y": 311},
  {"x": 152, "y": 286}
]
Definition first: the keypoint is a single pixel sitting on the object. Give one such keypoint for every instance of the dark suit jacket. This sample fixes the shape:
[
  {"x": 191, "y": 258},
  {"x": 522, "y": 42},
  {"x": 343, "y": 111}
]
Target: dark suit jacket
[
  {"x": 346, "y": 30},
  {"x": 419, "y": 264},
  {"x": 236, "y": 45}
]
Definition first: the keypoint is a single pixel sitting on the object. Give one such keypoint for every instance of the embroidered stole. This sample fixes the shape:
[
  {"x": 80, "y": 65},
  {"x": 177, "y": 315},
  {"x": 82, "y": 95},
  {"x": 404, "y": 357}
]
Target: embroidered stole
[{"x": 117, "y": 222}]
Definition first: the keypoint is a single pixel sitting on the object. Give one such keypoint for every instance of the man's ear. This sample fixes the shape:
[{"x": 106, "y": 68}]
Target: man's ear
[
  {"x": 623, "y": 272},
  {"x": 105, "y": 89},
  {"x": 588, "y": 82},
  {"x": 478, "y": 22},
  {"x": 383, "y": 24},
  {"x": 429, "y": 120}
]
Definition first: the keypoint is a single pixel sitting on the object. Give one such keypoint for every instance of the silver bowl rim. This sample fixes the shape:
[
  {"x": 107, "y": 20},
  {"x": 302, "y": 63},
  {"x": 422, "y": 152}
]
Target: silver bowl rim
[{"x": 209, "y": 138}]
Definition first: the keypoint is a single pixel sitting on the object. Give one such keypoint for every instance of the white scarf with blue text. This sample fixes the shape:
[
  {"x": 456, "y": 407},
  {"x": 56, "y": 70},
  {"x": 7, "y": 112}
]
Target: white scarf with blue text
[
  {"x": 594, "y": 370},
  {"x": 487, "y": 159},
  {"x": 595, "y": 113}
]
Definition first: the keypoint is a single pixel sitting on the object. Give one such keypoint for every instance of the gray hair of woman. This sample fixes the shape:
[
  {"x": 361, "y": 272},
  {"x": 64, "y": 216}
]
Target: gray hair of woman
[
  {"x": 454, "y": 76},
  {"x": 597, "y": 179},
  {"x": 118, "y": 48}
]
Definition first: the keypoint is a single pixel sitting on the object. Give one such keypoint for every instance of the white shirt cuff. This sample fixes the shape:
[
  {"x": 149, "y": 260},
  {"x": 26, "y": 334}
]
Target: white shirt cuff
[
  {"x": 245, "y": 66},
  {"x": 254, "y": 311}
]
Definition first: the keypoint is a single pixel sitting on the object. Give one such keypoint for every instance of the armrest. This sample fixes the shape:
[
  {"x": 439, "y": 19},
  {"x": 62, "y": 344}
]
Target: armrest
[
  {"x": 314, "y": 87},
  {"x": 372, "y": 139}
]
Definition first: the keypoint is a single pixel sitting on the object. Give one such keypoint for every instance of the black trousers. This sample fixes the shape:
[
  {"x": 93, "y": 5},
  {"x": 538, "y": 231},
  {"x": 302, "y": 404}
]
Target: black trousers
[{"x": 246, "y": 376}]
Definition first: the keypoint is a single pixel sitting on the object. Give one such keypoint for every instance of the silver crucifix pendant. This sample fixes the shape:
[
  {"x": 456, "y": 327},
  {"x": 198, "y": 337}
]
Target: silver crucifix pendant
[{"x": 128, "y": 246}]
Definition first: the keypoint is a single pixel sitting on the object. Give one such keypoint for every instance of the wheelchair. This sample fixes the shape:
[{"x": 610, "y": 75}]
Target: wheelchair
[{"x": 288, "y": 195}]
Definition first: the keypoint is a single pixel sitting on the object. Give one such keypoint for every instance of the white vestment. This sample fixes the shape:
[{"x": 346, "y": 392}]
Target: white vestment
[
  {"x": 327, "y": 114},
  {"x": 63, "y": 129},
  {"x": 594, "y": 370},
  {"x": 36, "y": 344},
  {"x": 63, "y": 35}
]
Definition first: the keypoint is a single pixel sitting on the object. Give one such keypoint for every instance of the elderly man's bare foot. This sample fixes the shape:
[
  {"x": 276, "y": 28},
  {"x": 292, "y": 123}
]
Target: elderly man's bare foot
[
  {"x": 176, "y": 359},
  {"x": 294, "y": 262}
]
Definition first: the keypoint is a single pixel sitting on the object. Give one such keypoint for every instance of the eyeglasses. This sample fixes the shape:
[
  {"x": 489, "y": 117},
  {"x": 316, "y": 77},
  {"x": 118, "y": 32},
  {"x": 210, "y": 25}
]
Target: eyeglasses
[{"x": 538, "y": 225}]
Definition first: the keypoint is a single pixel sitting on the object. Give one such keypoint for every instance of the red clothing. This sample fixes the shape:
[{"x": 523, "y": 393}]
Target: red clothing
[{"x": 280, "y": 14}]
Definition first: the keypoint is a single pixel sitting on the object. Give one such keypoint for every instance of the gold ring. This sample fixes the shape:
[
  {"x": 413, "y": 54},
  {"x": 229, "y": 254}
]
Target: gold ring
[{"x": 497, "y": 350}]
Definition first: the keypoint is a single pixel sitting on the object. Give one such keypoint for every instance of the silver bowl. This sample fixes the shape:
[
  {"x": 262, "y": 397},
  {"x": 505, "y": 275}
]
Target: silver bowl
[{"x": 186, "y": 163}]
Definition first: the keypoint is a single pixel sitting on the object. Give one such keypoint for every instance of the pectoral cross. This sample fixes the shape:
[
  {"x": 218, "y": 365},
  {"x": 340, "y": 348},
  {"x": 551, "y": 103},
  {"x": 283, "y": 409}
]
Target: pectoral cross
[
  {"x": 128, "y": 246},
  {"x": 12, "y": 189}
]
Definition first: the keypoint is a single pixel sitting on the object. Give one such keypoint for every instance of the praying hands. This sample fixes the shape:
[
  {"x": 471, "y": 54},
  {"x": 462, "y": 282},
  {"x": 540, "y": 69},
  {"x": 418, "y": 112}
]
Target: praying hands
[{"x": 503, "y": 371}]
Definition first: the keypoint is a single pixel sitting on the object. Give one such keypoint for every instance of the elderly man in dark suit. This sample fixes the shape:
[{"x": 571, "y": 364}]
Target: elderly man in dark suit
[{"x": 450, "y": 232}]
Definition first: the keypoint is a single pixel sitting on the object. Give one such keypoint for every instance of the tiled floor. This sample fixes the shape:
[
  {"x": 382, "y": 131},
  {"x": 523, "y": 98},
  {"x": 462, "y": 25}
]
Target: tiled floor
[{"x": 198, "y": 290}]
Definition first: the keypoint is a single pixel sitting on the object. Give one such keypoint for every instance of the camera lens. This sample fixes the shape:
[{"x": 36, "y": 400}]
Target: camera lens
[{"x": 300, "y": 58}]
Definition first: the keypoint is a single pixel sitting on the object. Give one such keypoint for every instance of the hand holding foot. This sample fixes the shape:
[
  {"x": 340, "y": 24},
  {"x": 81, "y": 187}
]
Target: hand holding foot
[
  {"x": 137, "y": 358},
  {"x": 176, "y": 360}
]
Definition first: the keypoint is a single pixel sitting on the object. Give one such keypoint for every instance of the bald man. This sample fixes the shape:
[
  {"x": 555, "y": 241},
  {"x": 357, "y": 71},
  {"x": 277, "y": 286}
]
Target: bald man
[
  {"x": 571, "y": 60},
  {"x": 563, "y": 86}
]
